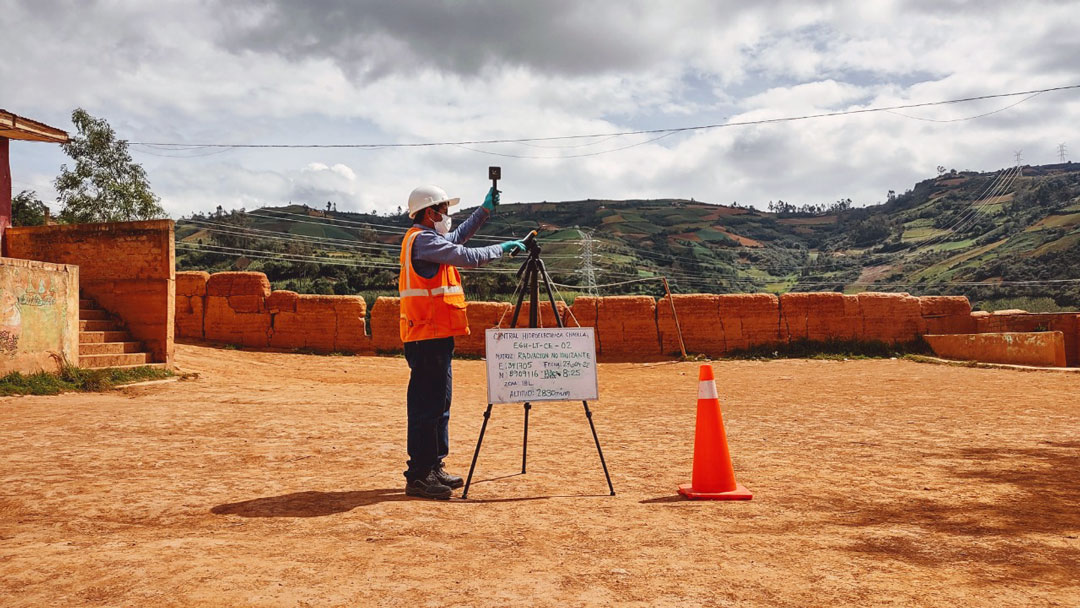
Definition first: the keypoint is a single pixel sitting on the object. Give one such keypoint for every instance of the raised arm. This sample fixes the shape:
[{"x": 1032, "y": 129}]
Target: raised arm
[{"x": 430, "y": 247}]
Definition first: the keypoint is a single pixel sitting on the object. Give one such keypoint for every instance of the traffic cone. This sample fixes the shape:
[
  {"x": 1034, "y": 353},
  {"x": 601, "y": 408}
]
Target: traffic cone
[{"x": 713, "y": 477}]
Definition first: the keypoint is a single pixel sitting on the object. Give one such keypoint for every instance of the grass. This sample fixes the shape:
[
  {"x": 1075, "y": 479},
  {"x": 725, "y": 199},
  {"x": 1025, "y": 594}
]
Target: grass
[
  {"x": 832, "y": 349},
  {"x": 1044, "y": 304},
  {"x": 76, "y": 379},
  {"x": 921, "y": 233}
]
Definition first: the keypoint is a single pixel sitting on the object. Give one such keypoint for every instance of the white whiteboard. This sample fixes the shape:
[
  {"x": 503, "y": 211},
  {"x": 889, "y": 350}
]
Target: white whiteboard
[{"x": 557, "y": 364}]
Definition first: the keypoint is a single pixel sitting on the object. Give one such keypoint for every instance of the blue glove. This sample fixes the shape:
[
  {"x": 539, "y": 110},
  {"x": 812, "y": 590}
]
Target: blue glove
[
  {"x": 492, "y": 200},
  {"x": 510, "y": 246}
]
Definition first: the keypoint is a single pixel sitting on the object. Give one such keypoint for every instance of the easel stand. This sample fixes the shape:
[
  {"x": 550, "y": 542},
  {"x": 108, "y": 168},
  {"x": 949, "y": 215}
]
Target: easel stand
[{"x": 530, "y": 274}]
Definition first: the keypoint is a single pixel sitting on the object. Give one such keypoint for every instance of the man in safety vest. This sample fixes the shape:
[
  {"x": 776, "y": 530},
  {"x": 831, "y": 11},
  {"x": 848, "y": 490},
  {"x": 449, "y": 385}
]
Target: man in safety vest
[{"x": 432, "y": 313}]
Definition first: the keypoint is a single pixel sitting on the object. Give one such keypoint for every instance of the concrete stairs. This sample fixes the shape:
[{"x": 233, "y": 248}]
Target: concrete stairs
[{"x": 104, "y": 343}]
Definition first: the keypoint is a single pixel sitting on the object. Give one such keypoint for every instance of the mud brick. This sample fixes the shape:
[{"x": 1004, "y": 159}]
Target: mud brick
[
  {"x": 191, "y": 283},
  {"x": 247, "y": 304},
  {"x": 281, "y": 301},
  {"x": 820, "y": 317},
  {"x": 482, "y": 316},
  {"x": 584, "y": 314},
  {"x": 223, "y": 324},
  {"x": 890, "y": 317},
  {"x": 627, "y": 328},
  {"x": 699, "y": 317},
  {"x": 189, "y": 317},
  {"x": 238, "y": 284},
  {"x": 749, "y": 320},
  {"x": 386, "y": 325}
]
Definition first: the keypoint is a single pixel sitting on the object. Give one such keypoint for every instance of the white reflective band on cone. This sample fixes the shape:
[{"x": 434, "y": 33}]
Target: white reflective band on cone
[{"x": 707, "y": 390}]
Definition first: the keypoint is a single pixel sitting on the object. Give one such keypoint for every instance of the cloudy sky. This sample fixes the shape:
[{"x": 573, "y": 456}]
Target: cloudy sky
[{"x": 375, "y": 72}]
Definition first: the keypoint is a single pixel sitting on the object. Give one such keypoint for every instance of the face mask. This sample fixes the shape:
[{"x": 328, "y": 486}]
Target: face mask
[{"x": 443, "y": 226}]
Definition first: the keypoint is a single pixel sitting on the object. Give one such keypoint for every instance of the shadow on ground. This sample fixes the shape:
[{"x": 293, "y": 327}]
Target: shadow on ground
[
  {"x": 1028, "y": 529},
  {"x": 309, "y": 504}
]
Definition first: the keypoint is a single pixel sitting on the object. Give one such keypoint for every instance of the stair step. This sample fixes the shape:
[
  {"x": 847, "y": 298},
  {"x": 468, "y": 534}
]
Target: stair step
[
  {"x": 109, "y": 348},
  {"x": 127, "y": 359},
  {"x": 93, "y": 314},
  {"x": 97, "y": 326},
  {"x": 87, "y": 303},
  {"x": 97, "y": 337},
  {"x": 154, "y": 365}
]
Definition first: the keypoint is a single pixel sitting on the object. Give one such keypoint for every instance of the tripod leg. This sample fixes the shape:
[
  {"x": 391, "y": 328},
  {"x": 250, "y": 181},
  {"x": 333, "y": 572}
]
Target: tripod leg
[
  {"x": 588, "y": 414},
  {"x": 525, "y": 440},
  {"x": 534, "y": 293},
  {"x": 551, "y": 296},
  {"x": 519, "y": 294},
  {"x": 476, "y": 454}
]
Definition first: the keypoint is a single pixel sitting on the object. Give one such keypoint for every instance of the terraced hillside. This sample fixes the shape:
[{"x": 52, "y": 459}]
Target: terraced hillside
[{"x": 1002, "y": 237}]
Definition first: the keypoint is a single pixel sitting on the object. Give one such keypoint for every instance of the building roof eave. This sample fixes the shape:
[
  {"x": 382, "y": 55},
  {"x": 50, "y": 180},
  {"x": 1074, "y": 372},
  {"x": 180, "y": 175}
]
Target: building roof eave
[{"x": 17, "y": 127}]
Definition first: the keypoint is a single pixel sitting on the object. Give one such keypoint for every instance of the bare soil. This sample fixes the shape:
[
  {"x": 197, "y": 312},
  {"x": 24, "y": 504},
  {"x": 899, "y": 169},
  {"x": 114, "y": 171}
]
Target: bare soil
[{"x": 275, "y": 480}]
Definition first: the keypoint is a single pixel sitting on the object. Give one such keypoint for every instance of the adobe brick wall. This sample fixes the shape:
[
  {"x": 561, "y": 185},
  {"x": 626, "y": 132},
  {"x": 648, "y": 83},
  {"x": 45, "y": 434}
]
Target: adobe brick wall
[
  {"x": 39, "y": 315},
  {"x": 239, "y": 308},
  {"x": 947, "y": 314},
  {"x": 190, "y": 303},
  {"x": 128, "y": 267},
  {"x": 699, "y": 317},
  {"x": 819, "y": 317},
  {"x": 1044, "y": 349},
  {"x": 749, "y": 320},
  {"x": 1068, "y": 323},
  {"x": 718, "y": 324},
  {"x": 626, "y": 328},
  {"x": 890, "y": 317}
]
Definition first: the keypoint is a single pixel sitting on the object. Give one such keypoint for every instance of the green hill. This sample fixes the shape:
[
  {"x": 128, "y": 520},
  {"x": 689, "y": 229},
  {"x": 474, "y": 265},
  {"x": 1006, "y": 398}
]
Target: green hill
[{"x": 1001, "y": 238}]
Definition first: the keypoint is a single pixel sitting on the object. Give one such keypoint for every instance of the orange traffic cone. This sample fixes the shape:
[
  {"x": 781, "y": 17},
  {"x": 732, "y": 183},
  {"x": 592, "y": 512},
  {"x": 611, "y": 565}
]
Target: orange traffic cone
[{"x": 713, "y": 477}]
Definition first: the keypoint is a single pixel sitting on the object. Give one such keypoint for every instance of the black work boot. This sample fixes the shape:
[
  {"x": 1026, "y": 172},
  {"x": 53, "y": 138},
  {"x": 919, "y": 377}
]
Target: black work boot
[
  {"x": 448, "y": 479},
  {"x": 428, "y": 487}
]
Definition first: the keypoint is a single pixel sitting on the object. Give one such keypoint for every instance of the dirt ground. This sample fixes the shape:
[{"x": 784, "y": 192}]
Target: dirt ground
[{"x": 275, "y": 480}]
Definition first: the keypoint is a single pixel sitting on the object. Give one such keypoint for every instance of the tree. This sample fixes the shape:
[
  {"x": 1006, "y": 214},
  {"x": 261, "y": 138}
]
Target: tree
[
  {"x": 27, "y": 210},
  {"x": 106, "y": 185}
]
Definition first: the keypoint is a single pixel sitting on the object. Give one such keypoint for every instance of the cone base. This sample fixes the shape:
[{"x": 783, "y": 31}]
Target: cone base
[{"x": 739, "y": 493}]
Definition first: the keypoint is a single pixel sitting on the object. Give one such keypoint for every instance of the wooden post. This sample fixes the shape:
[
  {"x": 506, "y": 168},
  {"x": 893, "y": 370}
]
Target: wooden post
[
  {"x": 5, "y": 187},
  {"x": 678, "y": 328}
]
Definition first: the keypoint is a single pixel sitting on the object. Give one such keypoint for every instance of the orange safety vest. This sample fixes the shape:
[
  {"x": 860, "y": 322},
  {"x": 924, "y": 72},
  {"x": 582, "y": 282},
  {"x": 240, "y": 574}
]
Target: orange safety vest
[{"x": 430, "y": 308}]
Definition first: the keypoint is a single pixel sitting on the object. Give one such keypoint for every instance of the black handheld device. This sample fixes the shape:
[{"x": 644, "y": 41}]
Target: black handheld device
[
  {"x": 530, "y": 243},
  {"x": 495, "y": 174}
]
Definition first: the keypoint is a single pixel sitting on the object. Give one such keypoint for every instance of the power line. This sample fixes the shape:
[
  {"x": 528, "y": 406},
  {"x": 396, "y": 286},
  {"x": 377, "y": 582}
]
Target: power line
[
  {"x": 396, "y": 230},
  {"x": 326, "y": 242},
  {"x": 619, "y": 133},
  {"x": 1001, "y": 183},
  {"x": 582, "y": 155},
  {"x": 983, "y": 115}
]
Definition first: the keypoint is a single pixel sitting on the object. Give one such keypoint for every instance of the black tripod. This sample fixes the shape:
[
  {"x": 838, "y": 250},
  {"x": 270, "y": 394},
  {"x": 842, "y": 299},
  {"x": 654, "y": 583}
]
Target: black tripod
[{"x": 531, "y": 272}]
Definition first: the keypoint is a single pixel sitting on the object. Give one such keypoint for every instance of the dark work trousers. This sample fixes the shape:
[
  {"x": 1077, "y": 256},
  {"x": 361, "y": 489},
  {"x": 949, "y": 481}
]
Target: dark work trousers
[{"x": 430, "y": 388}]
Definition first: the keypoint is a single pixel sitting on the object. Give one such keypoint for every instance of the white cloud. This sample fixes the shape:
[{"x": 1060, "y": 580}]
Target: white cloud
[{"x": 405, "y": 72}]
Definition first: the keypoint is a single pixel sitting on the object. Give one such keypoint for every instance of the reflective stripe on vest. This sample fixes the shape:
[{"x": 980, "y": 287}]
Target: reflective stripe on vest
[{"x": 436, "y": 291}]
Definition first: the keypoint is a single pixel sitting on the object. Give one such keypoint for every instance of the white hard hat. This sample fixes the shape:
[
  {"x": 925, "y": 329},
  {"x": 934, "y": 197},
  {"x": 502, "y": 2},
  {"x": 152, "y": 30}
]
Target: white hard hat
[{"x": 427, "y": 196}]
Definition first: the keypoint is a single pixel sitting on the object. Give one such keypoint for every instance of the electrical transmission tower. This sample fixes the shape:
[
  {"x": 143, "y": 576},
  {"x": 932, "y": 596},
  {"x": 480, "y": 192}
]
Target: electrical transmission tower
[
  {"x": 1019, "y": 156},
  {"x": 1062, "y": 152},
  {"x": 588, "y": 270}
]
